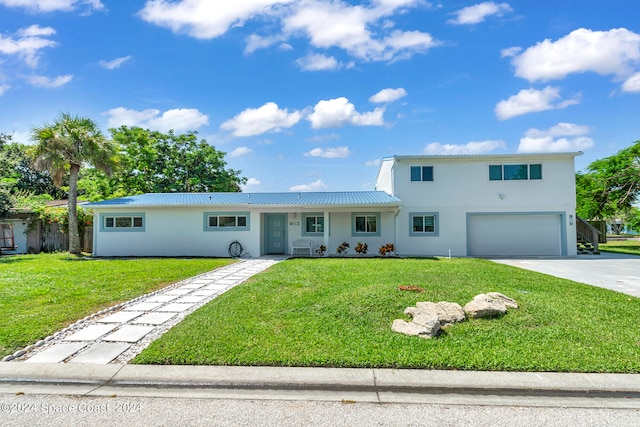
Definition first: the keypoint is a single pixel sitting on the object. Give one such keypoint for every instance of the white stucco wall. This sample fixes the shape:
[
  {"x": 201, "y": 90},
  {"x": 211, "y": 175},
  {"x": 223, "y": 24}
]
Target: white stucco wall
[
  {"x": 462, "y": 186},
  {"x": 174, "y": 232}
]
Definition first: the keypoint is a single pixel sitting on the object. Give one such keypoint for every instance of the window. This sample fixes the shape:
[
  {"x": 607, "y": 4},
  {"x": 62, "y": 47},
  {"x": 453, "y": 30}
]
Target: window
[
  {"x": 226, "y": 221},
  {"x": 123, "y": 222},
  {"x": 535, "y": 171},
  {"x": 423, "y": 224},
  {"x": 313, "y": 224},
  {"x": 515, "y": 172},
  {"x": 421, "y": 173},
  {"x": 365, "y": 224}
]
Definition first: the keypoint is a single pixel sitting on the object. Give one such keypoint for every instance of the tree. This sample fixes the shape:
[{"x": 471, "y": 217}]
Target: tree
[
  {"x": 611, "y": 186},
  {"x": 62, "y": 149},
  {"x": 156, "y": 162}
]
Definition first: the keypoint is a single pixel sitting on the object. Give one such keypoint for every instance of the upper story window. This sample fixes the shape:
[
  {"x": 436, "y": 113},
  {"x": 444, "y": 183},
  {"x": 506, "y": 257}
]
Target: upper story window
[
  {"x": 313, "y": 224},
  {"x": 226, "y": 221},
  {"x": 122, "y": 222},
  {"x": 421, "y": 173},
  {"x": 515, "y": 172}
]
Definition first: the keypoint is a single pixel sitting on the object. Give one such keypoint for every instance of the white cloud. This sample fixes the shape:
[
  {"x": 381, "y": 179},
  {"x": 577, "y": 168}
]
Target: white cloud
[
  {"x": 253, "y": 181},
  {"x": 43, "y": 81},
  {"x": 115, "y": 63},
  {"x": 614, "y": 52},
  {"x": 329, "y": 153},
  {"x": 360, "y": 31},
  {"x": 479, "y": 12},
  {"x": 318, "y": 62},
  {"x": 240, "y": 151},
  {"x": 4, "y": 88},
  {"x": 27, "y": 43},
  {"x": 251, "y": 184},
  {"x": 323, "y": 138},
  {"x": 205, "y": 19},
  {"x": 632, "y": 84},
  {"x": 314, "y": 186},
  {"x": 375, "y": 162},
  {"x": 530, "y": 101},
  {"x": 53, "y": 5},
  {"x": 256, "y": 121},
  {"x": 563, "y": 137},
  {"x": 388, "y": 95},
  {"x": 510, "y": 52},
  {"x": 473, "y": 147},
  {"x": 363, "y": 32},
  {"x": 179, "y": 119},
  {"x": 340, "y": 112}
]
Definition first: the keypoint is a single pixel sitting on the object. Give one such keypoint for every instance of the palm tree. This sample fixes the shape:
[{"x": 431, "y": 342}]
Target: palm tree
[{"x": 64, "y": 147}]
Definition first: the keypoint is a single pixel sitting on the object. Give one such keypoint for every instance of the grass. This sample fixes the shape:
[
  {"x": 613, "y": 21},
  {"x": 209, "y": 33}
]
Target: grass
[
  {"x": 338, "y": 313},
  {"x": 41, "y": 294},
  {"x": 631, "y": 247}
]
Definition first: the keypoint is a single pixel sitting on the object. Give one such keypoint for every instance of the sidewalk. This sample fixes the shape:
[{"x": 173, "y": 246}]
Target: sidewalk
[
  {"x": 118, "y": 334},
  {"x": 328, "y": 384}
]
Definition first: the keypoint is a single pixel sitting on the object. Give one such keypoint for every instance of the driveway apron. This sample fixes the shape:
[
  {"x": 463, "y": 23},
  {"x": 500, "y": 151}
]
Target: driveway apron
[
  {"x": 118, "y": 334},
  {"x": 618, "y": 272}
]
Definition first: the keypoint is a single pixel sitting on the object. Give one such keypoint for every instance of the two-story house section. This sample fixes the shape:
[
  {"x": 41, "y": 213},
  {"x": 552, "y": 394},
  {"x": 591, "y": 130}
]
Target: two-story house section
[{"x": 483, "y": 205}]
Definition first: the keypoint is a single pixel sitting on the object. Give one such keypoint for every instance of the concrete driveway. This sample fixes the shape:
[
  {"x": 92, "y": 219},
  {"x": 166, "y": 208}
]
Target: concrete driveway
[{"x": 617, "y": 272}]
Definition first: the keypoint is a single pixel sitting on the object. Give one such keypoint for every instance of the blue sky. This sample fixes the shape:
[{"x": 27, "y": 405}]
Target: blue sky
[{"x": 311, "y": 94}]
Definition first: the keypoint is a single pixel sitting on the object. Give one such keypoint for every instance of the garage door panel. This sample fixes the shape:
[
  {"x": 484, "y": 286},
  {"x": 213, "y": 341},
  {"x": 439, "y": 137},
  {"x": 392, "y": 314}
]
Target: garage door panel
[{"x": 519, "y": 235}]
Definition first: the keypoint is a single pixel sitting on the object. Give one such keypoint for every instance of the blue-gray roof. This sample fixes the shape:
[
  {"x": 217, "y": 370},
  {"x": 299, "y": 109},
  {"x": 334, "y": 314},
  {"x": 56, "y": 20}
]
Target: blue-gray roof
[{"x": 328, "y": 199}]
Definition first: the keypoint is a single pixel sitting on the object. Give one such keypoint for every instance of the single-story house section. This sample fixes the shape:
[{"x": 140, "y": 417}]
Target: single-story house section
[
  {"x": 459, "y": 205},
  {"x": 205, "y": 224}
]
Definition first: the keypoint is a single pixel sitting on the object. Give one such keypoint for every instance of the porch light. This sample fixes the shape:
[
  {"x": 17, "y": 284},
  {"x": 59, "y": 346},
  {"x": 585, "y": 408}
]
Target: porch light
[{"x": 570, "y": 219}]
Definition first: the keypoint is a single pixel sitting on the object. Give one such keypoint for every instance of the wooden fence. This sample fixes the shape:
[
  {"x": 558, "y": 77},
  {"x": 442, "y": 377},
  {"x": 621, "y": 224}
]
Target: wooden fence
[{"x": 49, "y": 238}]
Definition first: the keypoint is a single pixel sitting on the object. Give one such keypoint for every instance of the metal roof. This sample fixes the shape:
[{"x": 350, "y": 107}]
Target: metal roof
[
  {"x": 336, "y": 199},
  {"x": 567, "y": 154}
]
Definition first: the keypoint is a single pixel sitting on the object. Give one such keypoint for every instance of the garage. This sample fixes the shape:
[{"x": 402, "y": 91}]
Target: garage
[{"x": 515, "y": 234}]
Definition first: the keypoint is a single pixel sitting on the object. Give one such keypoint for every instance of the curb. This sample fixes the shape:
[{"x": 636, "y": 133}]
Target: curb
[{"x": 149, "y": 379}]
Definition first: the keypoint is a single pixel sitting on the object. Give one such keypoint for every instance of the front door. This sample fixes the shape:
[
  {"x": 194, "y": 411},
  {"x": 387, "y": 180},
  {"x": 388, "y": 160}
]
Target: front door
[{"x": 275, "y": 230}]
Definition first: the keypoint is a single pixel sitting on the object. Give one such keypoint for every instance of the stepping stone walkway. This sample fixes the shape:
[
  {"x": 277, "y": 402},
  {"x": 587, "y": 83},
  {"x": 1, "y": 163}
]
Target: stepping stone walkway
[{"x": 118, "y": 334}]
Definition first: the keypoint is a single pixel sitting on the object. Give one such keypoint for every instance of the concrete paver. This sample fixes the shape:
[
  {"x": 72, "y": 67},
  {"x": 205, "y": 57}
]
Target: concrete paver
[
  {"x": 90, "y": 333},
  {"x": 121, "y": 317},
  {"x": 175, "y": 307},
  {"x": 100, "y": 353},
  {"x": 162, "y": 298},
  {"x": 56, "y": 353},
  {"x": 190, "y": 299},
  {"x": 143, "y": 306},
  {"x": 154, "y": 318},
  {"x": 129, "y": 333}
]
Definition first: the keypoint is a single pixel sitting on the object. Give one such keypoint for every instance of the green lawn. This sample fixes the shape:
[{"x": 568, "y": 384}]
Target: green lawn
[
  {"x": 41, "y": 294},
  {"x": 631, "y": 247},
  {"x": 338, "y": 313}
]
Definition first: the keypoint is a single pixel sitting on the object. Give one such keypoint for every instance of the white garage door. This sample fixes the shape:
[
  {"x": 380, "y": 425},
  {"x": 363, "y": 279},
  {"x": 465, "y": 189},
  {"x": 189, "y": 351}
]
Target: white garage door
[{"x": 507, "y": 235}]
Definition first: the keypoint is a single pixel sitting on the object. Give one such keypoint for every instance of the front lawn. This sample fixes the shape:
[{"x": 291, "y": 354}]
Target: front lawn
[
  {"x": 41, "y": 294},
  {"x": 631, "y": 247},
  {"x": 338, "y": 313}
]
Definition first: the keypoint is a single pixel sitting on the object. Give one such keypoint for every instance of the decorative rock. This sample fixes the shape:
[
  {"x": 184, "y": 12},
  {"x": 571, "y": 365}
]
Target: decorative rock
[
  {"x": 447, "y": 312},
  {"x": 509, "y": 302},
  {"x": 485, "y": 306},
  {"x": 415, "y": 329}
]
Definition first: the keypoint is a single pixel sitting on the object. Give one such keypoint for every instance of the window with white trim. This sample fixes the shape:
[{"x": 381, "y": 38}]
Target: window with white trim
[
  {"x": 313, "y": 224},
  {"x": 122, "y": 222},
  {"x": 365, "y": 224},
  {"x": 423, "y": 224},
  {"x": 421, "y": 173},
  {"x": 226, "y": 221}
]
